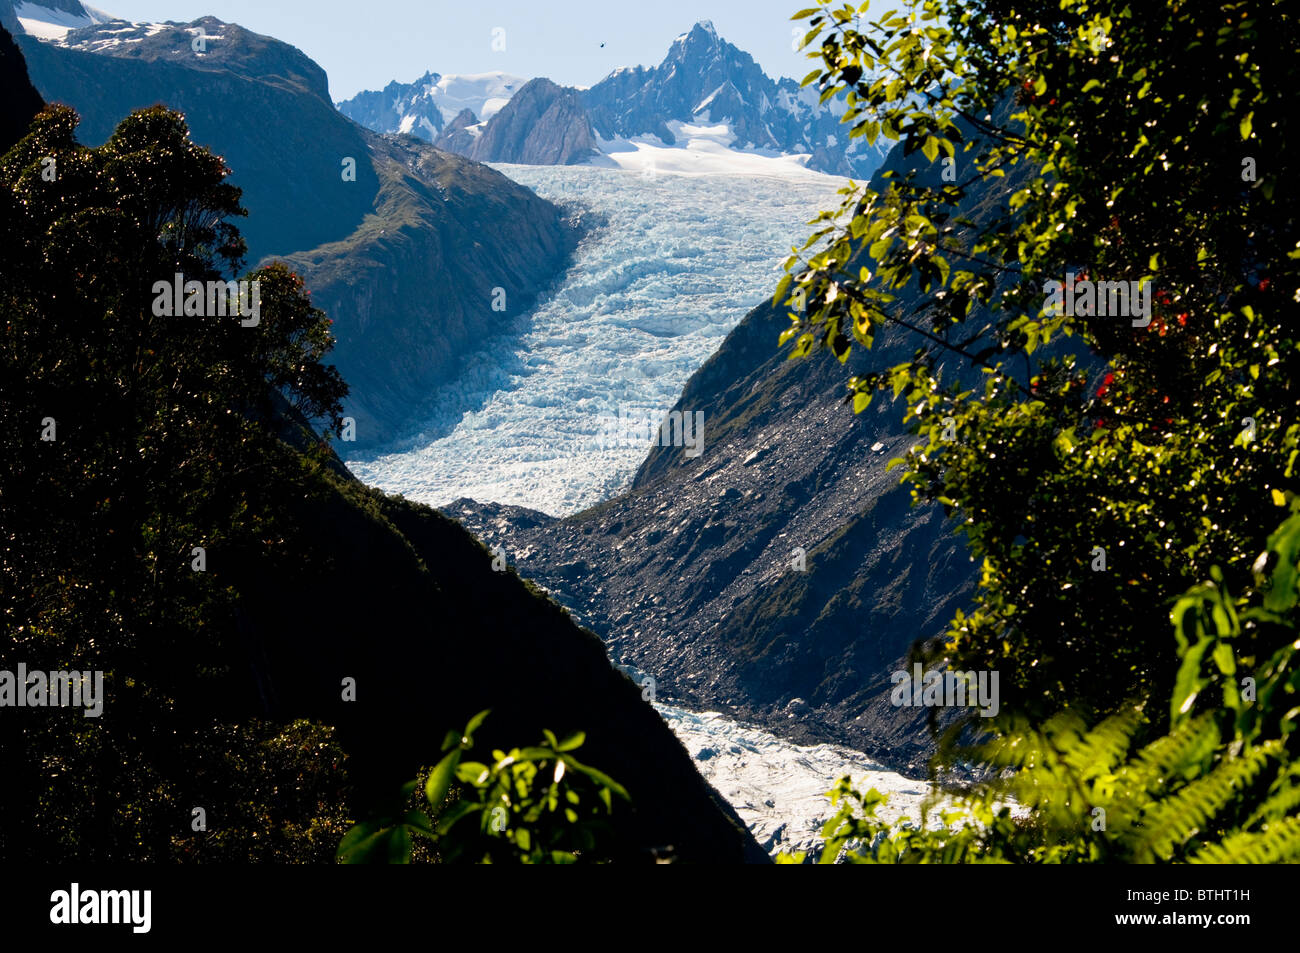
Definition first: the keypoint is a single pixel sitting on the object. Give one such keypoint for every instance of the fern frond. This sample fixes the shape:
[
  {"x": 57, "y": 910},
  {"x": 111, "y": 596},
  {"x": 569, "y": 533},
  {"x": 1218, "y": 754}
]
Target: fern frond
[
  {"x": 1174, "y": 819},
  {"x": 1104, "y": 747},
  {"x": 1175, "y": 755},
  {"x": 1283, "y": 800},
  {"x": 1277, "y": 843}
]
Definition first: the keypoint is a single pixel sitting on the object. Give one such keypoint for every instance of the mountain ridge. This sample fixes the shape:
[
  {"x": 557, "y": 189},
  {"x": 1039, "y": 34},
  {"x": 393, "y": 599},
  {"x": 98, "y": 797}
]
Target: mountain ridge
[
  {"x": 405, "y": 253},
  {"x": 703, "y": 79}
]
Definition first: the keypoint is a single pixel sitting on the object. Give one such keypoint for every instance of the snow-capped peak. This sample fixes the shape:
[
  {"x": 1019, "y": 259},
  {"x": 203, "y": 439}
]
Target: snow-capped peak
[{"x": 53, "y": 19}]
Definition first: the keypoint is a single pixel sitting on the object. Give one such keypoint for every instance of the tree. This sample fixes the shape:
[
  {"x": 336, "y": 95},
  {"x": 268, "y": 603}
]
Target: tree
[
  {"x": 1104, "y": 469},
  {"x": 1125, "y": 137},
  {"x": 134, "y": 439}
]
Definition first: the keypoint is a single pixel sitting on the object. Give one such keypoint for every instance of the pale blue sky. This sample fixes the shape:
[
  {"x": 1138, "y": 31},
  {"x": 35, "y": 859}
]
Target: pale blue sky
[{"x": 365, "y": 44}]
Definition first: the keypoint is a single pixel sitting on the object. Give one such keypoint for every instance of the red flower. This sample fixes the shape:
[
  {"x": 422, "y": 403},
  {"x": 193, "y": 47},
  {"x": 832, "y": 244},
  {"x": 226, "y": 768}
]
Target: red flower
[
  {"x": 1182, "y": 319},
  {"x": 1263, "y": 285}
]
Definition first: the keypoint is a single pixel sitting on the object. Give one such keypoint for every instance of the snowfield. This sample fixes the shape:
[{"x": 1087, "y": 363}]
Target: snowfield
[
  {"x": 702, "y": 148},
  {"x": 538, "y": 418},
  {"x": 482, "y": 93},
  {"x": 45, "y": 23}
]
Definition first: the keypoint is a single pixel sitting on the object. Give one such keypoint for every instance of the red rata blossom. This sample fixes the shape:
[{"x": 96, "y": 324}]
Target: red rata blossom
[{"x": 1263, "y": 285}]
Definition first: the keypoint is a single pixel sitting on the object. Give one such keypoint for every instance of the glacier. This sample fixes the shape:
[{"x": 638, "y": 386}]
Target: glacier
[
  {"x": 694, "y": 239},
  {"x": 648, "y": 298},
  {"x": 778, "y": 788}
]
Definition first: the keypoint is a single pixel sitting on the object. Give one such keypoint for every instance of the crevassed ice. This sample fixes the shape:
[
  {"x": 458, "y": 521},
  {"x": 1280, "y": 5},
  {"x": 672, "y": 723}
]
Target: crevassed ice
[
  {"x": 778, "y": 788},
  {"x": 541, "y": 419}
]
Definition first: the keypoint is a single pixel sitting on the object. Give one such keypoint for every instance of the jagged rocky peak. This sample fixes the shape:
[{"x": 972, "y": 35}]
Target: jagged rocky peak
[
  {"x": 703, "y": 87},
  {"x": 460, "y": 134},
  {"x": 702, "y": 36},
  {"x": 399, "y": 107},
  {"x": 544, "y": 124},
  {"x": 424, "y": 107},
  {"x": 704, "y": 80}
]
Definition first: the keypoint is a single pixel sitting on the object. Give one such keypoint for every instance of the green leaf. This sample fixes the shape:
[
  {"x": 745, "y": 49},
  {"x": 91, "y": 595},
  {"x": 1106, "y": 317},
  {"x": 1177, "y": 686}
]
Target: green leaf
[
  {"x": 357, "y": 844},
  {"x": 575, "y": 740},
  {"x": 419, "y": 822},
  {"x": 475, "y": 722},
  {"x": 472, "y": 772},
  {"x": 439, "y": 783},
  {"x": 778, "y": 296},
  {"x": 454, "y": 813},
  {"x": 598, "y": 776}
]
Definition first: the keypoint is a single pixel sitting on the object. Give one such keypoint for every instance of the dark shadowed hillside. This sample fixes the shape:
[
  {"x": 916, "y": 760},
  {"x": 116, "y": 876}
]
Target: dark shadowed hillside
[{"x": 307, "y": 578}]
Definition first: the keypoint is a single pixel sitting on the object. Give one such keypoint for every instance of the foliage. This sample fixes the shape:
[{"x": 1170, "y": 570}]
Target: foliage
[
  {"x": 1102, "y": 467},
  {"x": 135, "y": 438},
  {"x": 531, "y": 805},
  {"x": 1121, "y": 144},
  {"x": 1221, "y": 786}
]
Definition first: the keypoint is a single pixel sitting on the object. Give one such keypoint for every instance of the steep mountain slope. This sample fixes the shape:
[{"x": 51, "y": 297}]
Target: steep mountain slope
[
  {"x": 259, "y": 103},
  {"x": 706, "y": 79},
  {"x": 690, "y": 576},
  {"x": 544, "y": 124},
  {"x": 405, "y": 255},
  {"x": 21, "y": 101},
  {"x": 432, "y": 635},
  {"x": 376, "y": 589}
]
